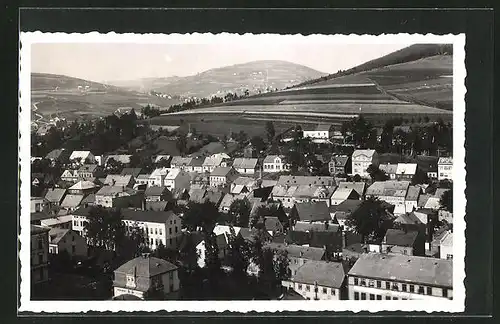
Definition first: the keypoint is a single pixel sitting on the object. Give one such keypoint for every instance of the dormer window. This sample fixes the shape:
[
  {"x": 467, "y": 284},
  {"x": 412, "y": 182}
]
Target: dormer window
[{"x": 130, "y": 281}]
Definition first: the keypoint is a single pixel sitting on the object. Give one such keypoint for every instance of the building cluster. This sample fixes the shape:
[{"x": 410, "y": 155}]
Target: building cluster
[{"x": 328, "y": 258}]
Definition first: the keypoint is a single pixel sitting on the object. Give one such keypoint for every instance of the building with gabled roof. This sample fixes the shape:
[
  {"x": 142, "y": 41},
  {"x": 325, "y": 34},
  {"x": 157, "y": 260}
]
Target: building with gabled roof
[
  {"x": 147, "y": 277},
  {"x": 55, "y": 196},
  {"x": 342, "y": 194},
  {"x": 156, "y": 193},
  {"x": 71, "y": 201},
  {"x": 82, "y": 157},
  {"x": 83, "y": 187},
  {"x": 298, "y": 255},
  {"x": 339, "y": 164},
  {"x": 275, "y": 163},
  {"x": 361, "y": 160},
  {"x": 310, "y": 212},
  {"x": 245, "y": 165},
  {"x": 177, "y": 179},
  {"x": 404, "y": 241},
  {"x": 134, "y": 172},
  {"x": 222, "y": 176},
  {"x": 179, "y": 162},
  {"x": 389, "y": 169},
  {"x": 321, "y": 131},
  {"x": 445, "y": 168},
  {"x": 118, "y": 180},
  {"x": 406, "y": 171},
  {"x": 381, "y": 276},
  {"x": 67, "y": 240},
  {"x": 119, "y": 197}
]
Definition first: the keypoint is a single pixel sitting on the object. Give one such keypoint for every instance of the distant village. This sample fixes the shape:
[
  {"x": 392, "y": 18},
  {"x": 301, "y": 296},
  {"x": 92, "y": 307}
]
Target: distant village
[{"x": 319, "y": 212}]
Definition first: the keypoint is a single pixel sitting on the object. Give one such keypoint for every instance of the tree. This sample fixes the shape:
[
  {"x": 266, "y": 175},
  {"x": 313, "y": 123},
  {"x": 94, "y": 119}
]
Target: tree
[
  {"x": 105, "y": 228},
  {"x": 270, "y": 131},
  {"x": 133, "y": 244},
  {"x": 258, "y": 143},
  {"x": 203, "y": 215},
  {"x": 238, "y": 253},
  {"x": 181, "y": 143},
  {"x": 372, "y": 222},
  {"x": 281, "y": 263},
  {"x": 356, "y": 178},
  {"x": 420, "y": 177},
  {"x": 376, "y": 174},
  {"x": 113, "y": 166},
  {"x": 446, "y": 200},
  {"x": 239, "y": 211},
  {"x": 361, "y": 130}
]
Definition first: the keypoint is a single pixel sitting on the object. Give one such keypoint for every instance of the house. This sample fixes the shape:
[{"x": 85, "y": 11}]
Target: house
[
  {"x": 62, "y": 222},
  {"x": 142, "y": 179},
  {"x": 406, "y": 171},
  {"x": 377, "y": 276},
  {"x": 321, "y": 131},
  {"x": 83, "y": 187},
  {"x": 227, "y": 200},
  {"x": 342, "y": 194},
  {"x": 275, "y": 163},
  {"x": 428, "y": 165},
  {"x": 339, "y": 164},
  {"x": 58, "y": 155},
  {"x": 54, "y": 196},
  {"x": 134, "y": 172},
  {"x": 245, "y": 165},
  {"x": 346, "y": 209},
  {"x": 196, "y": 165},
  {"x": 71, "y": 202},
  {"x": 147, "y": 277},
  {"x": 404, "y": 242},
  {"x": 446, "y": 246},
  {"x": 389, "y": 169},
  {"x": 250, "y": 151},
  {"x": 242, "y": 185},
  {"x": 304, "y": 193},
  {"x": 69, "y": 175},
  {"x": 179, "y": 162},
  {"x": 310, "y": 212},
  {"x": 82, "y": 157},
  {"x": 292, "y": 189},
  {"x": 197, "y": 195},
  {"x": 411, "y": 200},
  {"x": 118, "y": 180},
  {"x": 297, "y": 255},
  {"x": 161, "y": 157},
  {"x": 222, "y": 176},
  {"x": 222, "y": 245},
  {"x": 361, "y": 160},
  {"x": 445, "y": 168},
  {"x": 210, "y": 163},
  {"x": 119, "y": 197},
  {"x": 215, "y": 197},
  {"x": 39, "y": 254},
  {"x": 157, "y": 177},
  {"x": 177, "y": 179},
  {"x": 359, "y": 187},
  {"x": 306, "y": 180},
  {"x": 156, "y": 193},
  {"x": 156, "y": 205},
  {"x": 319, "y": 280},
  {"x": 273, "y": 225},
  {"x": 392, "y": 192},
  {"x": 67, "y": 240},
  {"x": 159, "y": 226},
  {"x": 88, "y": 171}
]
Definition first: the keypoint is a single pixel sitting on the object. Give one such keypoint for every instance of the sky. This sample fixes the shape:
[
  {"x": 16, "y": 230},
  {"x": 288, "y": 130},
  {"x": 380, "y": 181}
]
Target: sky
[{"x": 129, "y": 61}]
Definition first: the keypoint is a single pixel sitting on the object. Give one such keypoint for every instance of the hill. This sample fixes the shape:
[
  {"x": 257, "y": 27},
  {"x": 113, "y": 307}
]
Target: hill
[
  {"x": 253, "y": 76},
  {"x": 73, "y": 98}
]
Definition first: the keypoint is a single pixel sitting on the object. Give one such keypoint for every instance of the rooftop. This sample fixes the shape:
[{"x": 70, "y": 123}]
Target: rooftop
[
  {"x": 71, "y": 201},
  {"x": 322, "y": 273},
  {"x": 55, "y": 195},
  {"x": 298, "y": 251},
  {"x": 400, "y": 237},
  {"x": 146, "y": 266},
  {"x": 245, "y": 163},
  {"x": 220, "y": 172},
  {"x": 306, "y": 180},
  {"x": 312, "y": 211},
  {"x": 146, "y": 215}
]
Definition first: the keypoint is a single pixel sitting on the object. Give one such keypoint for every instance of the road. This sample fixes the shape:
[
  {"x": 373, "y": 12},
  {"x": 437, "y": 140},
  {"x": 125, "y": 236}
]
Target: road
[{"x": 39, "y": 117}]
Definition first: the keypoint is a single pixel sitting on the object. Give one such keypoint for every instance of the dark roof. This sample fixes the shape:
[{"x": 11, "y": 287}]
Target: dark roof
[
  {"x": 126, "y": 297},
  {"x": 131, "y": 171},
  {"x": 248, "y": 234},
  {"x": 213, "y": 196},
  {"x": 146, "y": 215},
  {"x": 146, "y": 266},
  {"x": 408, "y": 219},
  {"x": 220, "y": 171},
  {"x": 400, "y": 237},
  {"x": 197, "y": 195},
  {"x": 82, "y": 211},
  {"x": 331, "y": 240},
  {"x": 155, "y": 191},
  {"x": 323, "y": 273},
  {"x": 39, "y": 229},
  {"x": 272, "y": 224},
  {"x": 297, "y": 237},
  {"x": 340, "y": 160},
  {"x": 156, "y": 205},
  {"x": 306, "y": 226},
  {"x": 421, "y": 270},
  {"x": 312, "y": 211},
  {"x": 38, "y": 216},
  {"x": 89, "y": 199},
  {"x": 56, "y": 234},
  {"x": 55, "y": 195},
  {"x": 348, "y": 206},
  {"x": 297, "y": 251}
]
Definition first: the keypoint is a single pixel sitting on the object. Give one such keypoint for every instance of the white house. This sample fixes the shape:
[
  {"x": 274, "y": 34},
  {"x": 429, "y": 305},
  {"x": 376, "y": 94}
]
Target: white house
[
  {"x": 446, "y": 246},
  {"x": 342, "y": 194},
  {"x": 275, "y": 163},
  {"x": 392, "y": 192},
  {"x": 411, "y": 201},
  {"x": 82, "y": 157},
  {"x": 176, "y": 179},
  {"x": 211, "y": 163},
  {"x": 445, "y": 168},
  {"x": 157, "y": 177},
  {"x": 322, "y": 131},
  {"x": 361, "y": 160},
  {"x": 245, "y": 165},
  {"x": 222, "y": 176},
  {"x": 67, "y": 240}
]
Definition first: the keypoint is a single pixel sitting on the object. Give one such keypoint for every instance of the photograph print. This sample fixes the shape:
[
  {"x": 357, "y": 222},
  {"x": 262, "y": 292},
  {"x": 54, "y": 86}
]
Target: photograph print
[{"x": 213, "y": 172}]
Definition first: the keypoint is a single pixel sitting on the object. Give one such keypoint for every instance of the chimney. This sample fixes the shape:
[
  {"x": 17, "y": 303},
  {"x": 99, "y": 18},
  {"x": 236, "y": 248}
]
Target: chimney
[
  {"x": 326, "y": 225},
  {"x": 146, "y": 255}
]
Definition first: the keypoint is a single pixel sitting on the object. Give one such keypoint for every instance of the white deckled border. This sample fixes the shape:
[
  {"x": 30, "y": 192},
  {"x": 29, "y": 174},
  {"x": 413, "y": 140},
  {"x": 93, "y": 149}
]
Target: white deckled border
[{"x": 459, "y": 90}]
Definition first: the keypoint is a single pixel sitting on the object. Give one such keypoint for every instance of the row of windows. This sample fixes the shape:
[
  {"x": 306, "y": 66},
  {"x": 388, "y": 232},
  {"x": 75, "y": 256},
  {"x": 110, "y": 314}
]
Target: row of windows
[
  {"x": 324, "y": 290},
  {"x": 396, "y": 286},
  {"x": 357, "y": 296},
  {"x": 77, "y": 223}
]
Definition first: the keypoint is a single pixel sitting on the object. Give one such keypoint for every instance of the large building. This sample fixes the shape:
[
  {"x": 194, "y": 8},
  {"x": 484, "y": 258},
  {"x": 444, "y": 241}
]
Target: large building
[
  {"x": 445, "y": 168},
  {"x": 275, "y": 163},
  {"x": 321, "y": 131},
  {"x": 147, "y": 277},
  {"x": 39, "y": 254},
  {"x": 377, "y": 276},
  {"x": 361, "y": 160}
]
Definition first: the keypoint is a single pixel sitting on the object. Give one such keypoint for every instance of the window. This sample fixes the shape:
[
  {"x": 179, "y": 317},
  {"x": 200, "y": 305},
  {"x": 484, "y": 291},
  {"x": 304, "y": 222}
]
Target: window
[
  {"x": 159, "y": 231},
  {"x": 395, "y": 298},
  {"x": 363, "y": 282},
  {"x": 156, "y": 241},
  {"x": 421, "y": 290},
  {"x": 308, "y": 288},
  {"x": 75, "y": 223},
  {"x": 73, "y": 238},
  {"x": 445, "y": 292},
  {"x": 170, "y": 241},
  {"x": 395, "y": 286},
  {"x": 356, "y": 282},
  {"x": 387, "y": 285},
  {"x": 333, "y": 292},
  {"x": 372, "y": 297},
  {"x": 356, "y": 295},
  {"x": 325, "y": 291},
  {"x": 156, "y": 231},
  {"x": 176, "y": 229},
  {"x": 171, "y": 275},
  {"x": 449, "y": 257},
  {"x": 299, "y": 286},
  {"x": 412, "y": 288},
  {"x": 379, "y": 284},
  {"x": 387, "y": 297},
  {"x": 170, "y": 230},
  {"x": 73, "y": 249},
  {"x": 379, "y": 297},
  {"x": 405, "y": 252},
  {"x": 170, "y": 222},
  {"x": 363, "y": 296},
  {"x": 429, "y": 290},
  {"x": 151, "y": 241},
  {"x": 403, "y": 287}
]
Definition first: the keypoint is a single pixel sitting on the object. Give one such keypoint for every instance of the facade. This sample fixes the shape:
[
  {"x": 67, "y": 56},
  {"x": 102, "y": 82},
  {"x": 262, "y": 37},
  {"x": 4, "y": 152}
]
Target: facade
[
  {"x": 39, "y": 254},
  {"x": 406, "y": 171},
  {"x": 87, "y": 171},
  {"x": 392, "y": 192},
  {"x": 222, "y": 176},
  {"x": 158, "y": 226},
  {"x": 212, "y": 162},
  {"x": 245, "y": 165},
  {"x": 157, "y": 177},
  {"x": 361, "y": 160},
  {"x": 196, "y": 165},
  {"x": 275, "y": 163},
  {"x": 318, "y": 280},
  {"x": 342, "y": 194},
  {"x": 445, "y": 168},
  {"x": 39, "y": 204},
  {"x": 339, "y": 164},
  {"x": 147, "y": 277},
  {"x": 389, "y": 169},
  {"x": 177, "y": 179},
  {"x": 69, "y": 175},
  {"x": 67, "y": 240},
  {"x": 120, "y": 197},
  {"x": 411, "y": 200},
  {"x": 83, "y": 187},
  {"x": 446, "y": 246},
  {"x": 82, "y": 157},
  {"x": 377, "y": 276},
  {"x": 322, "y": 131}
]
